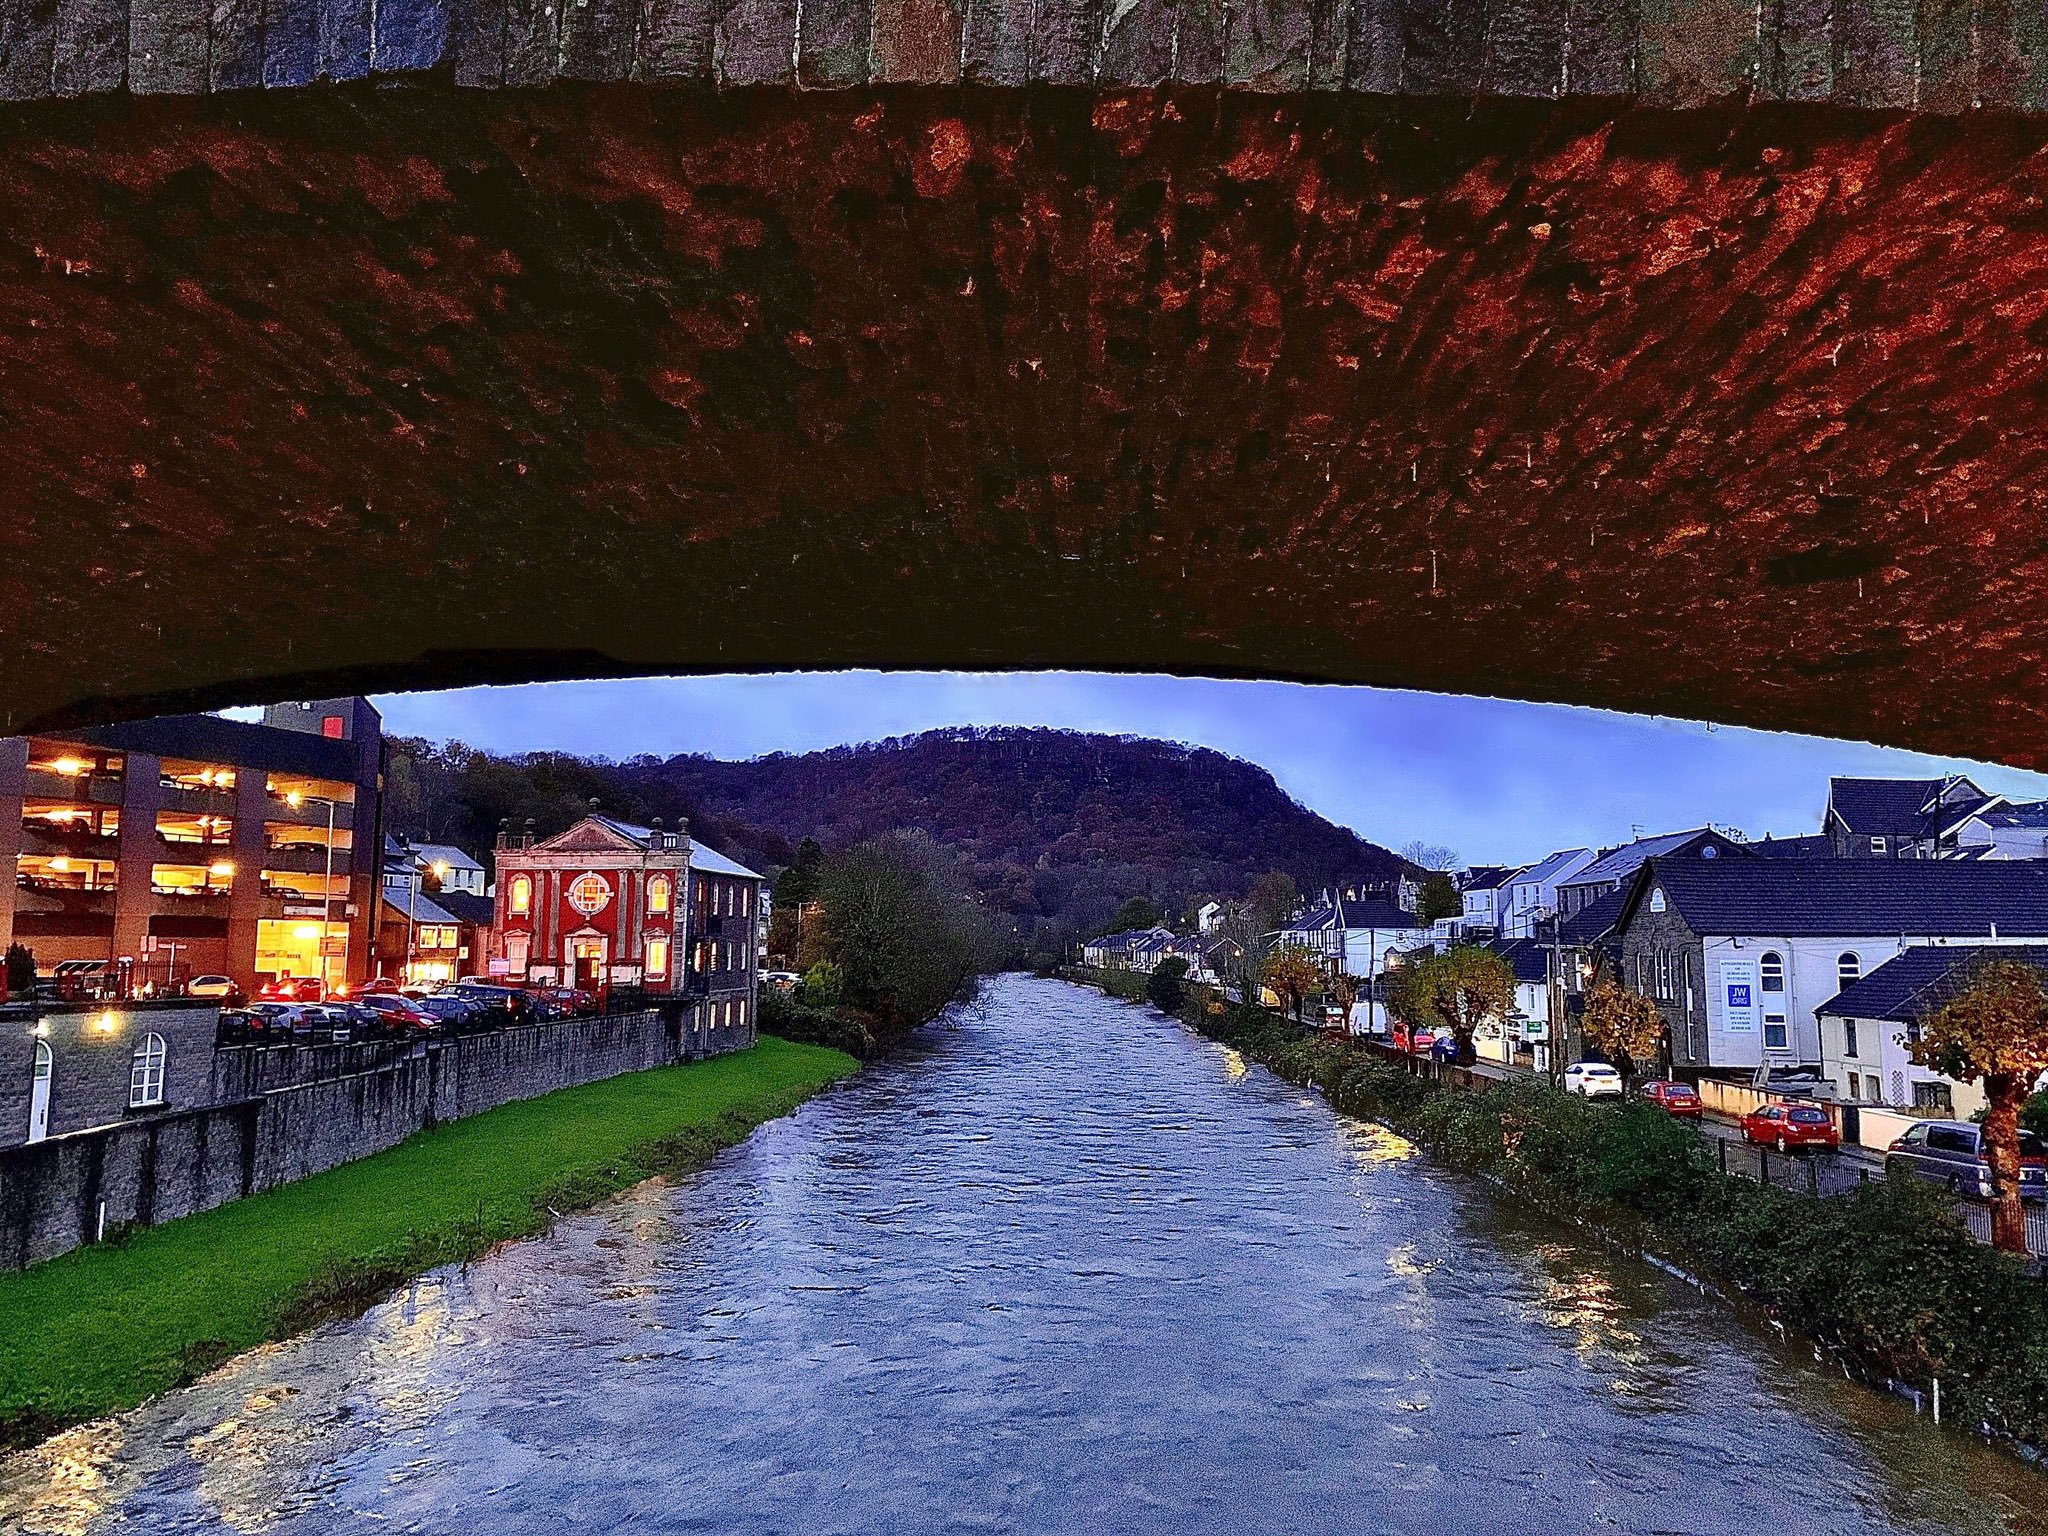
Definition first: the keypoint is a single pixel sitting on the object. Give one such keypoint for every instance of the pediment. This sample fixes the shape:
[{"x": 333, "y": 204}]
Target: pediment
[{"x": 588, "y": 836}]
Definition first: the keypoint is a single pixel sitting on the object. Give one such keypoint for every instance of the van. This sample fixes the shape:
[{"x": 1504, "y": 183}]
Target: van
[{"x": 1951, "y": 1153}]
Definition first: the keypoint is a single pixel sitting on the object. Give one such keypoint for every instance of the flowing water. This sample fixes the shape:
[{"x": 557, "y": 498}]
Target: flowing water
[{"x": 1064, "y": 1268}]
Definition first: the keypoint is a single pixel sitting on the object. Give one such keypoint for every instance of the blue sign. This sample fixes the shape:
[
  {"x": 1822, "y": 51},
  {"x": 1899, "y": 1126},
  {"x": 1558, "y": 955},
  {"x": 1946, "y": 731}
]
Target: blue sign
[{"x": 1738, "y": 996}]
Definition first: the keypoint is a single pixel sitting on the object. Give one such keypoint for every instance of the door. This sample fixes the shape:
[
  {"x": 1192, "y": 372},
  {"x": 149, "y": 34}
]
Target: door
[
  {"x": 39, "y": 1092},
  {"x": 589, "y": 958}
]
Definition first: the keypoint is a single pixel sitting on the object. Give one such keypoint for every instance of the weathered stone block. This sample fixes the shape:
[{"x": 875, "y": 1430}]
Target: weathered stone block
[
  {"x": 1600, "y": 47},
  {"x": 28, "y": 42},
  {"x": 290, "y": 43},
  {"x": 1524, "y": 48},
  {"x": 91, "y": 52},
  {"x": 675, "y": 40},
  {"x": 476, "y": 42},
  {"x": 834, "y": 47},
  {"x": 1798, "y": 50},
  {"x": 1696, "y": 51},
  {"x": 2012, "y": 56},
  {"x": 1442, "y": 46},
  {"x": 417, "y": 35},
  {"x": 235, "y": 55},
  {"x": 597, "y": 39},
  {"x": 1066, "y": 39},
  {"x": 755, "y": 43},
  {"x": 1875, "y": 43},
  {"x": 1268, "y": 43},
  {"x": 530, "y": 41},
  {"x": 1329, "y": 40},
  {"x": 167, "y": 47},
  {"x": 1947, "y": 79},
  {"x": 1198, "y": 42},
  {"x": 917, "y": 42},
  {"x": 341, "y": 36},
  {"x": 1138, "y": 42},
  {"x": 1373, "y": 53}
]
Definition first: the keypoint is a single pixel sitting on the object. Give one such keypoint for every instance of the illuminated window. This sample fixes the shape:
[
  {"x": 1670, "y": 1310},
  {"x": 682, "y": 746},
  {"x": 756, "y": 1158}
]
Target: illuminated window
[
  {"x": 590, "y": 894},
  {"x": 146, "y": 1076},
  {"x": 657, "y": 957},
  {"x": 658, "y": 894},
  {"x": 522, "y": 895}
]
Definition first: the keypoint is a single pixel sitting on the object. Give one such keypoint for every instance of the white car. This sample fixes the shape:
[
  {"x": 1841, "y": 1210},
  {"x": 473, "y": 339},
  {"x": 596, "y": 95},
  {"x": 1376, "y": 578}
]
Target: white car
[
  {"x": 1592, "y": 1080},
  {"x": 209, "y": 986}
]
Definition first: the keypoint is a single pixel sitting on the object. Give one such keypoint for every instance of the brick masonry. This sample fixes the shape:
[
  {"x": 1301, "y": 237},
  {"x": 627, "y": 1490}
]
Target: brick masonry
[
  {"x": 1664, "y": 52},
  {"x": 307, "y": 1112}
]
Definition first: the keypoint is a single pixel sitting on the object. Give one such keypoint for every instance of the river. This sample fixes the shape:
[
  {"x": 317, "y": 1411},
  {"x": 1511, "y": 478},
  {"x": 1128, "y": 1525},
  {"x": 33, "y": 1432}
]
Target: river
[{"x": 1064, "y": 1267}]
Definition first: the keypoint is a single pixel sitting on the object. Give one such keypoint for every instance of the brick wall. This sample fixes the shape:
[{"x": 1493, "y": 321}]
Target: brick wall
[{"x": 309, "y": 1113}]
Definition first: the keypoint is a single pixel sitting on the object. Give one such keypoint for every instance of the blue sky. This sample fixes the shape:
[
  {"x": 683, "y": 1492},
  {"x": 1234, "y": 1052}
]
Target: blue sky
[{"x": 1492, "y": 779}]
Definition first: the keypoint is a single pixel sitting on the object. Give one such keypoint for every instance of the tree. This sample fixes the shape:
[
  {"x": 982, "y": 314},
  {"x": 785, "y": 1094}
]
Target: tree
[
  {"x": 1430, "y": 855},
  {"x": 1342, "y": 990},
  {"x": 1994, "y": 1030},
  {"x": 21, "y": 971},
  {"x": 1625, "y": 1026},
  {"x": 1166, "y": 989},
  {"x": 1292, "y": 972},
  {"x": 1438, "y": 898},
  {"x": 1458, "y": 989},
  {"x": 799, "y": 883},
  {"x": 1136, "y": 912},
  {"x": 1274, "y": 899},
  {"x": 1239, "y": 952}
]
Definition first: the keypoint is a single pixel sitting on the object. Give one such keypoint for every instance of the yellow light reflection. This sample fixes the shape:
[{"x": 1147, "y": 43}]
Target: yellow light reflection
[{"x": 60, "y": 1488}]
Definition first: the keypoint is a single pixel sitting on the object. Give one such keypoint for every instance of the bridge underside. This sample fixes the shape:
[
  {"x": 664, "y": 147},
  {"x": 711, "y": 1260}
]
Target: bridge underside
[{"x": 1728, "y": 413}]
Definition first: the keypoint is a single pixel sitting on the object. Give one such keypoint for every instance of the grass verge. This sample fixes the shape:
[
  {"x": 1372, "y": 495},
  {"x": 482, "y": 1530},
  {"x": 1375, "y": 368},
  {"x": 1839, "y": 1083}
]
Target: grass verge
[{"x": 103, "y": 1328}]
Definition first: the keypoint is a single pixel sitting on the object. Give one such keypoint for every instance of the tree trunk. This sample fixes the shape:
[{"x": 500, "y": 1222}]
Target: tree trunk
[{"x": 2005, "y": 1092}]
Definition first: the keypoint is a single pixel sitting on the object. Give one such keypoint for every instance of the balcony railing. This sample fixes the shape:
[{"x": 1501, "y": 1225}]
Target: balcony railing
[
  {"x": 95, "y": 788},
  {"x": 305, "y": 859}
]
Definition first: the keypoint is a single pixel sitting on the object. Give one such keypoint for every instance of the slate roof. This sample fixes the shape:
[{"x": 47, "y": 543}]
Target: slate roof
[
  {"x": 1909, "y": 807},
  {"x": 1813, "y": 845},
  {"x": 703, "y": 857},
  {"x": 1355, "y": 914},
  {"x": 425, "y": 909},
  {"x": 1594, "y": 921},
  {"x": 1547, "y": 868},
  {"x": 477, "y": 911},
  {"x": 1489, "y": 877},
  {"x": 1889, "y": 897},
  {"x": 2031, "y": 813},
  {"x": 1921, "y": 979},
  {"x": 1527, "y": 956},
  {"x": 431, "y": 854},
  {"x": 1620, "y": 863}
]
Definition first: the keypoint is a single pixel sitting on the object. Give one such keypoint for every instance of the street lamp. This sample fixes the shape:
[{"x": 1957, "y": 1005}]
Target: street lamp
[{"x": 296, "y": 798}]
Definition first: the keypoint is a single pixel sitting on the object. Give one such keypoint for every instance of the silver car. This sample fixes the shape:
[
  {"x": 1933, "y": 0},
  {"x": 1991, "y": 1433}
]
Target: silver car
[{"x": 1951, "y": 1153}]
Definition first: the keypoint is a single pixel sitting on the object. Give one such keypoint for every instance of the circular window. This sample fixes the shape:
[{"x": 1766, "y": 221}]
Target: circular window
[{"x": 590, "y": 894}]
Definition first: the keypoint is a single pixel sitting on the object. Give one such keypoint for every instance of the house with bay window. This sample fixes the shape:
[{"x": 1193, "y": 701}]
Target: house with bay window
[
  {"x": 608, "y": 903},
  {"x": 1740, "y": 955}
]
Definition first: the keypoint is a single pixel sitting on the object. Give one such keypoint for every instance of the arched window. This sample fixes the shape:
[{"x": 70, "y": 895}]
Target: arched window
[
  {"x": 1771, "y": 971},
  {"x": 658, "y": 894},
  {"x": 521, "y": 901},
  {"x": 1848, "y": 968},
  {"x": 146, "y": 1075}
]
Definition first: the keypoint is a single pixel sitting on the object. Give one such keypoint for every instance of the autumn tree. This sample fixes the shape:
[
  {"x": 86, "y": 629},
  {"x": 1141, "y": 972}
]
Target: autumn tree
[
  {"x": 1458, "y": 989},
  {"x": 1239, "y": 950},
  {"x": 1274, "y": 898},
  {"x": 1342, "y": 990},
  {"x": 1292, "y": 972},
  {"x": 1625, "y": 1026},
  {"x": 1994, "y": 1031},
  {"x": 1136, "y": 912}
]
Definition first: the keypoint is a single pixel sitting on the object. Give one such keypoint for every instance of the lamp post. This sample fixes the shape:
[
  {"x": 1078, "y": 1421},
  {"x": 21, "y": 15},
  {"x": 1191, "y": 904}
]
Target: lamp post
[{"x": 296, "y": 798}]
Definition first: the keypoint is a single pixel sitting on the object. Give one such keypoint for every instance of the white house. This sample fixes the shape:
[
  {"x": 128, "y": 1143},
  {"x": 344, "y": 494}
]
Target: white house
[
  {"x": 2005, "y": 832},
  {"x": 1484, "y": 894},
  {"x": 1356, "y": 937},
  {"x": 1530, "y": 895}
]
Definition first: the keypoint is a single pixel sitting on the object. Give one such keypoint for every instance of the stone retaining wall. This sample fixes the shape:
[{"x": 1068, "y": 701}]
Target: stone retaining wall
[
  {"x": 1924, "y": 55},
  {"x": 63, "y": 1192}
]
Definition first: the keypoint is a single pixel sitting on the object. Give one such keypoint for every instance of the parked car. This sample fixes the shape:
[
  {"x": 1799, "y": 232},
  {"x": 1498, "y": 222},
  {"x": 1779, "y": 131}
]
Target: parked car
[
  {"x": 244, "y": 1026},
  {"x": 333, "y": 1023},
  {"x": 1951, "y": 1153},
  {"x": 280, "y": 1016},
  {"x": 1786, "y": 1126},
  {"x": 1679, "y": 1099},
  {"x": 1444, "y": 1046},
  {"x": 401, "y": 1016},
  {"x": 512, "y": 1001},
  {"x": 1592, "y": 1080},
  {"x": 1416, "y": 1042},
  {"x": 782, "y": 981},
  {"x": 211, "y": 986},
  {"x": 460, "y": 1015},
  {"x": 294, "y": 989}
]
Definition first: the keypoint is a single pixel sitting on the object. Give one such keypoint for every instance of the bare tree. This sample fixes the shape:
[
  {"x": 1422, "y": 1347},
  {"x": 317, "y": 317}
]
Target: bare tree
[{"x": 1430, "y": 855}]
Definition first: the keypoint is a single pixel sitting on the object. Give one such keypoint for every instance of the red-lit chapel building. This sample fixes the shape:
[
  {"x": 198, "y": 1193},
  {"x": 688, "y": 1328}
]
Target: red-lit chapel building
[{"x": 607, "y": 902}]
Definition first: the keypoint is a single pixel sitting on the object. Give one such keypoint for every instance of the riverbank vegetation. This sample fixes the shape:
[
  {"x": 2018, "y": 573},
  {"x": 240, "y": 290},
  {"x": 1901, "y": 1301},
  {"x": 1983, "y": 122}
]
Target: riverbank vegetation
[
  {"x": 105, "y": 1327},
  {"x": 1888, "y": 1276},
  {"x": 890, "y": 935}
]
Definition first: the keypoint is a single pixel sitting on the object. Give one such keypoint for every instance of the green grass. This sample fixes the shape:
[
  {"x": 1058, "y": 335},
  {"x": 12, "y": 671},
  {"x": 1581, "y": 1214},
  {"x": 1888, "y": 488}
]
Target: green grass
[{"x": 103, "y": 1328}]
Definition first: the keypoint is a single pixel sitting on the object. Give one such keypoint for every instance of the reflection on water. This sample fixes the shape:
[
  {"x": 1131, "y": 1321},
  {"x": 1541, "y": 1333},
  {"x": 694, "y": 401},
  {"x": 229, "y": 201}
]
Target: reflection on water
[{"x": 1064, "y": 1269}]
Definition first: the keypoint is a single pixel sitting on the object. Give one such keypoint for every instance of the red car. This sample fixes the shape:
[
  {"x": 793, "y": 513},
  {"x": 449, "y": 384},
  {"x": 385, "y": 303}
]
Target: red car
[
  {"x": 294, "y": 989},
  {"x": 401, "y": 1015},
  {"x": 1416, "y": 1042},
  {"x": 1786, "y": 1126},
  {"x": 1679, "y": 1099}
]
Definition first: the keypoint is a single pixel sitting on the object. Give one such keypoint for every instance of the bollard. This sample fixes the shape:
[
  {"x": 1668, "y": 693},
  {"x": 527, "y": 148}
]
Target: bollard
[
  {"x": 1722, "y": 1143},
  {"x": 1763, "y": 1163}
]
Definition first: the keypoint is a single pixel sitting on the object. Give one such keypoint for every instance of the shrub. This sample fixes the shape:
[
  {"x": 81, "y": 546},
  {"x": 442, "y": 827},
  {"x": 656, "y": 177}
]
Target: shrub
[
  {"x": 1167, "y": 989},
  {"x": 21, "y": 971}
]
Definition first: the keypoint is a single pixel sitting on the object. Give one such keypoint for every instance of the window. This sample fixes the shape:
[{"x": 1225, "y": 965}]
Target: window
[
  {"x": 146, "y": 1076},
  {"x": 521, "y": 901},
  {"x": 590, "y": 894},
  {"x": 1775, "y": 1035},
  {"x": 1848, "y": 970},
  {"x": 1877, "y": 845},
  {"x": 658, "y": 894},
  {"x": 1771, "y": 971},
  {"x": 1663, "y": 974},
  {"x": 657, "y": 957},
  {"x": 1848, "y": 1037},
  {"x": 746, "y": 908},
  {"x": 1855, "y": 1086},
  {"x": 1932, "y": 1096}
]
